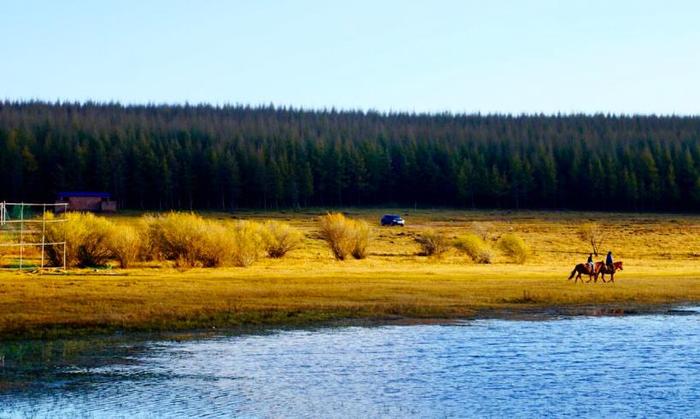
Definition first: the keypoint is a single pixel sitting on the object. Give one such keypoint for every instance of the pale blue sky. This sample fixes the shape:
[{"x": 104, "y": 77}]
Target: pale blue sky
[{"x": 459, "y": 56}]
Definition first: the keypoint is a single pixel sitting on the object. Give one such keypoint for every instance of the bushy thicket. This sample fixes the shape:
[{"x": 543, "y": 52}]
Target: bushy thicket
[
  {"x": 361, "y": 233},
  {"x": 433, "y": 243},
  {"x": 88, "y": 240},
  {"x": 126, "y": 245},
  {"x": 280, "y": 238},
  {"x": 188, "y": 239},
  {"x": 475, "y": 247},
  {"x": 248, "y": 242},
  {"x": 345, "y": 237},
  {"x": 514, "y": 247}
]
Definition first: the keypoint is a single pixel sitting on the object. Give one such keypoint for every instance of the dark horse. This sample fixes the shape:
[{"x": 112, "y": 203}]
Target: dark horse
[
  {"x": 584, "y": 268},
  {"x": 605, "y": 269}
]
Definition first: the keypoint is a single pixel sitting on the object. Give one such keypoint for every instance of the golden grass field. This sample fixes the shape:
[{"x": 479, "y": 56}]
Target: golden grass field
[{"x": 661, "y": 255}]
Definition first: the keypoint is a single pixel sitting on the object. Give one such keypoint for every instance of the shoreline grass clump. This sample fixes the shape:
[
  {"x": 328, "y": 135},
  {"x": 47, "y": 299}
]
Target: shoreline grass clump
[
  {"x": 514, "y": 247},
  {"x": 345, "y": 237},
  {"x": 280, "y": 238},
  {"x": 474, "y": 247},
  {"x": 432, "y": 243}
]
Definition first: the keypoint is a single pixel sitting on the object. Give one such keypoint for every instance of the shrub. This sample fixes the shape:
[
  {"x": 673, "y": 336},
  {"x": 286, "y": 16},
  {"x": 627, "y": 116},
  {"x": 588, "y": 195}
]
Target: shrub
[
  {"x": 87, "y": 240},
  {"x": 280, "y": 238},
  {"x": 176, "y": 236},
  {"x": 482, "y": 229},
  {"x": 125, "y": 244},
  {"x": 432, "y": 243},
  {"x": 593, "y": 234},
  {"x": 345, "y": 236},
  {"x": 514, "y": 247},
  {"x": 335, "y": 230},
  {"x": 475, "y": 248},
  {"x": 360, "y": 232},
  {"x": 149, "y": 248},
  {"x": 248, "y": 243},
  {"x": 216, "y": 245},
  {"x": 71, "y": 231},
  {"x": 187, "y": 239}
]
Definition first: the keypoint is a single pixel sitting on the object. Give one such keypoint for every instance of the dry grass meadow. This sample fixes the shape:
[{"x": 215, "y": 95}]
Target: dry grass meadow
[{"x": 661, "y": 255}]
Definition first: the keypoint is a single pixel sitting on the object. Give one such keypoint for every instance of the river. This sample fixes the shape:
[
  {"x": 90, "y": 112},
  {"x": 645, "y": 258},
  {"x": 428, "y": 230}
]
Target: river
[{"x": 628, "y": 366}]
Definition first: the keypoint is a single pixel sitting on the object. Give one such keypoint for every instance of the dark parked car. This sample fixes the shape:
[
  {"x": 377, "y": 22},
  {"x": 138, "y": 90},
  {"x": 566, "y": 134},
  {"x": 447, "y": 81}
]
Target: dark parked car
[{"x": 392, "y": 220}]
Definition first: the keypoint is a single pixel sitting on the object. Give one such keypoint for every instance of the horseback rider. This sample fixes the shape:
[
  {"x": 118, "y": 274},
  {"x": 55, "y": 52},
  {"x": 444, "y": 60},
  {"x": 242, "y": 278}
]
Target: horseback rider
[
  {"x": 589, "y": 262},
  {"x": 609, "y": 261}
]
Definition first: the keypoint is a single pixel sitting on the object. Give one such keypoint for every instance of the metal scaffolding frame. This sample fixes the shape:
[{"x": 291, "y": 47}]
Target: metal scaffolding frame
[{"x": 25, "y": 230}]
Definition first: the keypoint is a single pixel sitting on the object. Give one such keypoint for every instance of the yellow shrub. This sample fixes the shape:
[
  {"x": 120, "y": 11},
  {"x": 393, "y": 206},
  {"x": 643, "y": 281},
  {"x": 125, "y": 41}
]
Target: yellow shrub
[
  {"x": 125, "y": 243},
  {"x": 514, "y": 247},
  {"x": 361, "y": 233},
  {"x": 280, "y": 238},
  {"x": 187, "y": 239},
  {"x": 72, "y": 231},
  {"x": 87, "y": 236},
  {"x": 335, "y": 230},
  {"x": 474, "y": 247},
  {"x": 248, "y": 243},
  {"x": 345, "y": 236},
  {"x": 432, "y": 243},
  {"x": 149, "y": 249}
]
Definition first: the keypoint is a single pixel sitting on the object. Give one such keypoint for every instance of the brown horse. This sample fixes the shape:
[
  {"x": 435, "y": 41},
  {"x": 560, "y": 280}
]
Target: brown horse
[
  {"x": 597, "y": 266},
  {"x": 617, "y": 266},
  {"x": 584, "y": 268}
]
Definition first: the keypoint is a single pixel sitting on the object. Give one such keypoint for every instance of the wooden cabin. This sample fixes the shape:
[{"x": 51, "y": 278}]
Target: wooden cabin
[{"x": 87, "y": 201}]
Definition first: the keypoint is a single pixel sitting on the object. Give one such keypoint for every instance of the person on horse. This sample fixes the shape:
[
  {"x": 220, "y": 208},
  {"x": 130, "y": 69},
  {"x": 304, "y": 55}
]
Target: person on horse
[
  {"x": 609, "y": 262},
  {"x": 589, "y": 262}
]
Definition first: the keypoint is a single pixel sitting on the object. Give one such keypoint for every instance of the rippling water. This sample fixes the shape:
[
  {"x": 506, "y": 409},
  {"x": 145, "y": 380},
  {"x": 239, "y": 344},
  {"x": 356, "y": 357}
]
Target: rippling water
[{"x": 584, "y": 366}]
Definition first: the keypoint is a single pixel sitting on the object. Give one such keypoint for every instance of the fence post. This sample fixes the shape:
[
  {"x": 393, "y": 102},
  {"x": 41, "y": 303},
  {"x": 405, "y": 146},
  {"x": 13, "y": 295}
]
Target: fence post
[
  {"x": 65, "y": 235},
  {"x": 21, "y": 236},
  {"x": 43, "y": 236}
]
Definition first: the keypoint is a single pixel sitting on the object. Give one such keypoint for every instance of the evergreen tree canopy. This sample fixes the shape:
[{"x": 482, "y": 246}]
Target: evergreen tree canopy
[{"x": 207, "y": 157}]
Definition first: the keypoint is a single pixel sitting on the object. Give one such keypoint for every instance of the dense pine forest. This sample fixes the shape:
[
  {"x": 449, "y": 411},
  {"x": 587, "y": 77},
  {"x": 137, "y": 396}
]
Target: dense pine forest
[{"x": 206, "y": 157}]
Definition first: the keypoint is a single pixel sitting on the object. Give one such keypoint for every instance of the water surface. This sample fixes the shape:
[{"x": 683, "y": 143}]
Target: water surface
[{"x": 632, "y": 366}]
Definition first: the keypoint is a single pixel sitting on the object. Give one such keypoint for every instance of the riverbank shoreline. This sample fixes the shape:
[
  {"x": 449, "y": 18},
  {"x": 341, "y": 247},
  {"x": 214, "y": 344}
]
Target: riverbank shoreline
[
  {"x": 551, "y": 313},
  {"x": 93, "y": 373}
]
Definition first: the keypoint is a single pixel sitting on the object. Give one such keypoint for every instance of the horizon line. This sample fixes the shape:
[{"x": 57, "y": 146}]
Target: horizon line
[{"x": 334, "y": 109}]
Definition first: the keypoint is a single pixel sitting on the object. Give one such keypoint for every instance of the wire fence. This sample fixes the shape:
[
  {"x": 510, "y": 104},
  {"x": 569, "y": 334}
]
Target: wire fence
[{"x": 23, "y": 236}]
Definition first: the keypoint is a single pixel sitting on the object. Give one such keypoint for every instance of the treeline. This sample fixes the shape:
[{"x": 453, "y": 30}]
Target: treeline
[{"x": 205, "y": 157}]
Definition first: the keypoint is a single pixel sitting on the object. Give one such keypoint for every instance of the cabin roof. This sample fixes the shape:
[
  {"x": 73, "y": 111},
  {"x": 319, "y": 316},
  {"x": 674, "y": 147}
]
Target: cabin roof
[{"x": 83, "y": 194}]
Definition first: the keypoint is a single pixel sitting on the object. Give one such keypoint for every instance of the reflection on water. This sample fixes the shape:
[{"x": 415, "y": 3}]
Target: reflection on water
[{"x": 594, "y": 366}]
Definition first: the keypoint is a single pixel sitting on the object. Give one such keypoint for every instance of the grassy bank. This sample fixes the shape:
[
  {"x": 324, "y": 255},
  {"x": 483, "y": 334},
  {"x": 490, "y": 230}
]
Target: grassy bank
[{"x": 661, "y": 255}]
